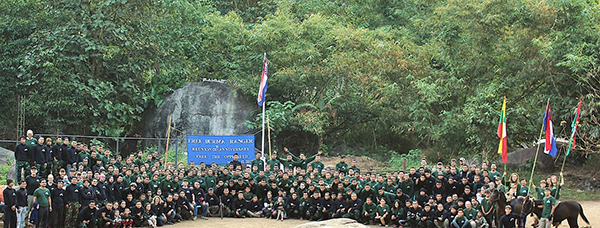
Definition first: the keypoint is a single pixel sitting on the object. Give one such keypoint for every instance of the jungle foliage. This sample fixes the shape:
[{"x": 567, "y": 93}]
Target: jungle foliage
[{"x": 373, "y": 75}]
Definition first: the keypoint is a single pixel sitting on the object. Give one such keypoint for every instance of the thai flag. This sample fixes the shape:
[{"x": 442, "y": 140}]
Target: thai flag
[
  {"x": 550, "y": 141},
  {"x": 262, "y": 90}
]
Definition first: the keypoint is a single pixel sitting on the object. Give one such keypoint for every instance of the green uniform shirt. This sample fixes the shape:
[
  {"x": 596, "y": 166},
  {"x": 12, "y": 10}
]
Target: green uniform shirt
[
  {"x": 523, "y": 191},
  {"x": 42, "y": 196},
  {"x": 382, "y": 210},
  {"x": 318, "y": 166},
  {"x": 341, "y": 167},
  {"x": 548, "y": 203},
  {"x": 258, "y": 163},
  {"x": 273, "y": 163},
  {"x": 460, "y": 220},
  {"x": 369, "y": 208},
  {"x": 470, "y": 214}
]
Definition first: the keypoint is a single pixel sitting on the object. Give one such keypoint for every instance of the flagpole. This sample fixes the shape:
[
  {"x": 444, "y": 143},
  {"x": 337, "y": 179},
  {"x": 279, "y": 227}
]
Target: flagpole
[
  {"x": 575, "y": 121},
  {"x": 536, "y": 152},
  {"x": 262, "y": 149}
]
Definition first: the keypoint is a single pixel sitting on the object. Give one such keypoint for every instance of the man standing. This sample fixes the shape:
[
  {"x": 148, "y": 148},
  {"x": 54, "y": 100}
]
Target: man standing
[
  {"x": 235, "y": 161},
  {"x": 10, "y": 207},
  {"x": 342, "y": 166},
  {"x": 42, "y": 196},
  {"x": 22, "y": 156},
  {"x": 258, "y": 162},
  {"x": 39, "y": 155},
  {"x": 58, "y": 203},
  {"x": 30, "y": 142},
  {"x": 33, "y": 182},
  {"x": 548, "y": 204},
  {"x": 21, "y": 204}
]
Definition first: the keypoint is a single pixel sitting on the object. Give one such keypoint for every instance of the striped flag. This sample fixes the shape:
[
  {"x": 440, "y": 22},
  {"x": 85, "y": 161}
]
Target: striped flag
[
  {"x": 574, "y": 127},
  {"x": 502, "y": 133},
  {"x": 262, "y": 90},
  {"x": 550, "y": 141}
]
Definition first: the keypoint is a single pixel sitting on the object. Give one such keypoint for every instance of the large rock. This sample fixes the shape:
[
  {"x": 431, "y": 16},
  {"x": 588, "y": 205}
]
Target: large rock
[
  {"x": 201, "y": 108},
  {"x": 521, "y": 157},
  {"x": 332, "y": 223},
  {"x": 8, "y": 157}
]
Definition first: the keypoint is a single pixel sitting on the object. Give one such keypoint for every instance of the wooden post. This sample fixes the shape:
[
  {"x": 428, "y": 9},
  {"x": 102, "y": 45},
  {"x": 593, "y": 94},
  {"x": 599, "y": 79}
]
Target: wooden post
[{"x": 168, "y": 137}]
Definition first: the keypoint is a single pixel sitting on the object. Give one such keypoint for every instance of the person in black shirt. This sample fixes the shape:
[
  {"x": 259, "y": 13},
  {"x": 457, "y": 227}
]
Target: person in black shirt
[
  {"x": 58, "y": 204},
  {"x": 72, "y": 196},
  {"x": 39, "y": 156},
  {"x": 353, "y": 207},
  {"x": 105, "y": 216},
  {"x": 183, "y": 206},
  {"x": 235, "y": 161},
  {"x": 22, "y": 157},
  {"x": 87, "y": 216},
  {"x": 137, "y": 212},
  {"x": 169, "y": 209},
  {"x": 254, "y": 207},
  {"x": 22, "y": 203},
  {"x": 10, "y": 205},
  {"x": 33, "y": 182},
  {"x": 213, "y": 203},
  {"x": 86, "y": 194},
  {"x": 239, "y": 206},
  {"x": 508, "y": 220}
]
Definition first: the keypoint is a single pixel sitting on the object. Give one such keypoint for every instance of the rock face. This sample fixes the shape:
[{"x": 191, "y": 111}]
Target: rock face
[
  {"x": 333, "y": 223},
  {"x": 201, "y": 108}
]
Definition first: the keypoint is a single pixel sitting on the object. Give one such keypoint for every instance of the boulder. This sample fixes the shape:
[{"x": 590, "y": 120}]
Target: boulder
[
  {"x": 521, "y": 157},
  {"x": 201, "y": 108},
  {"x": 333, "y": 223},
  {"x": 8, "y": 157}
]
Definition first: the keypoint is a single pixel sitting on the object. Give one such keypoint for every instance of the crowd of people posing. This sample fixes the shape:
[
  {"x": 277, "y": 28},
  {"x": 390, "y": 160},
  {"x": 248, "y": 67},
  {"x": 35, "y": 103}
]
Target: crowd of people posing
[{"x": 63, "y": 183}]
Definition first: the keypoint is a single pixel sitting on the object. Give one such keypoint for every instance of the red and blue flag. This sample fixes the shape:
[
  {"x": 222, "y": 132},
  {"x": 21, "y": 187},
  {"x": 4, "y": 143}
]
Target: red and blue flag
[
  {"x": 262, "y": 90},
  {"x": 550, "y": 141}
]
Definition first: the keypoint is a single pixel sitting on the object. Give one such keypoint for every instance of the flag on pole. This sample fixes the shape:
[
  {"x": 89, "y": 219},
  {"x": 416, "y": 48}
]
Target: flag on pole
[
  {"x": 262, "y": 90},
  {"x": 502, "y": 133},
  {"x": 550, "y": 141},
  {"x": 574, "y": 128}
]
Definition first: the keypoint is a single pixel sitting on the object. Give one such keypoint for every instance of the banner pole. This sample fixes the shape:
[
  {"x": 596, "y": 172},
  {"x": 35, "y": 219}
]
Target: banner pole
[
  {"x": 536, "y": 153},
  {"x": 262, "y": 148},
  {"x": 168, "y": 137}
]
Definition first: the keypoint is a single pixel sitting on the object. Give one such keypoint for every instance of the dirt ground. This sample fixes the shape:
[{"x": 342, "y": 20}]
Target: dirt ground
[{"x": 591, "y": 210}]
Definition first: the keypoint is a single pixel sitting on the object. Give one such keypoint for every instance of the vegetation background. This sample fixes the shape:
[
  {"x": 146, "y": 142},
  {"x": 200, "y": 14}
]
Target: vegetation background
[{"x": 367, "y": 77}]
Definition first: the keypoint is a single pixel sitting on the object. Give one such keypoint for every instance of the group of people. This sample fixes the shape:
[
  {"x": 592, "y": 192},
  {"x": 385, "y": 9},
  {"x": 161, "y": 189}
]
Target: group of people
[{"x": 64, "y": 183}]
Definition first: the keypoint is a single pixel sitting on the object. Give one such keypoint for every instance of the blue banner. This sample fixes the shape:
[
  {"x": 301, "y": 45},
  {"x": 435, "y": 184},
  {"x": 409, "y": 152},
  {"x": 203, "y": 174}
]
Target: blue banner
[{"x": 220, "y": 149}]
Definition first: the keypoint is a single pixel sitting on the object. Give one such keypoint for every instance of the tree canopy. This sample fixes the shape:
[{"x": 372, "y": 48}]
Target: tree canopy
[{"x": 373, "y": 76}]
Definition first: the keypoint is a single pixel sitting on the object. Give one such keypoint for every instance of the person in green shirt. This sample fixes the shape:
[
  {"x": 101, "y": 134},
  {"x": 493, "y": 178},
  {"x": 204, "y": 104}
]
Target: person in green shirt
[
  {"x": 273, "y": 161},
  {"x": 382, "y": 213},
  {"x": 548, "y": 205},
  {"x": 470, "y": 213},
  {"x": 354, "y": 166},
  {"x": 368, "y": 212},
  {"x": 342, "y": 166},
  {"x": 523, "y": 190},
  {"x": 460, "y": 221},
  {"x": 540, "y": 190},
  {"x": 42, "y": 197},
  {"x": 486, "y": 208},
  {"x": 317, "y": 164},
  {"x": 258, "y": 161}
]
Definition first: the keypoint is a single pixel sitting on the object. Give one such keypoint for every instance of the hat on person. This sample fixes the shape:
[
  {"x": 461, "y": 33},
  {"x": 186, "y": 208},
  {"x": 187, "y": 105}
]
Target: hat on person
[
  {"x": 210, "y": 189},
  {"x": 463, "y": 159},
  {"x": 399, "y": 190}
]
